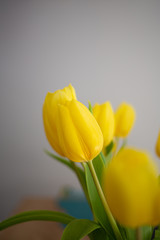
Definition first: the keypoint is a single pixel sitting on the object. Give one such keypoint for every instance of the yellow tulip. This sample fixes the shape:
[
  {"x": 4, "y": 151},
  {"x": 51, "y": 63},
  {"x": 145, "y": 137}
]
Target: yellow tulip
[
  {"x": 158, "y": 145},
  {"x": 105, "y": 118},
  {"x": 124, "y": 119},
  {"x": 70, "y": 128},
  {"x": 130, "y": 186},
  {"x": 50, "y": 108}
]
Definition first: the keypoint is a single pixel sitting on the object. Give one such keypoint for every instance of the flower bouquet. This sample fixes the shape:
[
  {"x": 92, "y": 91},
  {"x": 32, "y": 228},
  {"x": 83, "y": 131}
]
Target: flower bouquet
[{"x": 121, "y": 184}]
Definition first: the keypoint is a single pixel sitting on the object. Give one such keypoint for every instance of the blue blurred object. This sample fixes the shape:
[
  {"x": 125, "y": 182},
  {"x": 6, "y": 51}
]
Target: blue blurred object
[{"x": 75, "y": 204}]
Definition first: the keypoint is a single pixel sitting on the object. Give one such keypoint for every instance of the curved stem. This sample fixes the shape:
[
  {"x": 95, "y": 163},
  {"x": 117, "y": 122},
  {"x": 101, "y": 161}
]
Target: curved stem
[
  {"x": 102, "y": 197},
  {"x": 38, "y": 215}
]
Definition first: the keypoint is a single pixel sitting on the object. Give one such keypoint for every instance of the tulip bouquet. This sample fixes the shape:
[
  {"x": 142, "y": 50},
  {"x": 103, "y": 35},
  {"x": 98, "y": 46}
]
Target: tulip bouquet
[{"x": 121, "y": 183}]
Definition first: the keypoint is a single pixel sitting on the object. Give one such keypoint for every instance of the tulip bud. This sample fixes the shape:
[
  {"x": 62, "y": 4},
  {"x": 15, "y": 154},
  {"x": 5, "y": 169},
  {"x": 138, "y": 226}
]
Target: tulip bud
[
  {"x": 130, "y": 187},
  {"x": 70, "y": 128},
  {"x": 105, "y": 117},
  {"x": 50, "y": 108},
  {"x": 158, "y": 145},
  {"x": 124, "y": 119}
]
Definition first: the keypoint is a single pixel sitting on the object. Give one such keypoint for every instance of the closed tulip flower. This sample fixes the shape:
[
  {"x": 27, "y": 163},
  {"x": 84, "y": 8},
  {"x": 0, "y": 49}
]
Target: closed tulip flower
[
  {"x": 70, "y": 128},
  {"x": 130, "y": 186},
  {"x": 50, "y": 110},
  {"x": 158, "y": 145},
  {"x": 105, "y": 118},
  {"x": 124, "y": 119}
]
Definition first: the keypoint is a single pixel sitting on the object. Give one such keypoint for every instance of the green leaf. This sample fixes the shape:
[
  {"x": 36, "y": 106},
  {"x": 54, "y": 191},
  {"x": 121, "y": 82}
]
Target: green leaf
[
  {"x": 99, "y": 165},
  {"x": 157, "y": 234},
  {"x": 40, "y": 215},
  {"x": 90, "y": 107},
  {"x": 66, "y": 162},
  {"x": 130, "y": 233},
  {"x": 99, "y": 234},
  {"x": 108, "y": 158},
  {"x": 81, "y": 177},
  {"x": 96, "y": 203},
  {"x": 97, "y": 206},
  {"x": 79, "y": 228},
  {"x": 77, "y": 170},
  {"x": 59, "y": 159},
  {"x": 108, "y": 149},
  {"x": 147, "y": 232},
  {"x": 122, "y": 231}
]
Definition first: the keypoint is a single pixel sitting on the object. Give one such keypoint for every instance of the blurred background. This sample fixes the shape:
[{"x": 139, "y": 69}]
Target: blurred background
[{"x": 107, "y": 49}]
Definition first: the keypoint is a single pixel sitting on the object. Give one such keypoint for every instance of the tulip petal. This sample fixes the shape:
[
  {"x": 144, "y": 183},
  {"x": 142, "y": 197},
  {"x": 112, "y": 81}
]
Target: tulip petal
[
  {"x": 50, "y": 114},
  {"x": 68, "y": 138},
  {"x": 105, "y": 118},
  {"x": 51, "y": 133},
  {"x": 124, "y": 119},
  {"x": 158, "y": 145},
  {"x": 70, "y": 92},
  {"x": 130, "y": 186},
  {"x": 88, "y": 130}
]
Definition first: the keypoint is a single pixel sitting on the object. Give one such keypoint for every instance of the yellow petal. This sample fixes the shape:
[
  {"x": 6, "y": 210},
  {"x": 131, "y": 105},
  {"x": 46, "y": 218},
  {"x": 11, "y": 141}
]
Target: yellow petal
[
  {"x": 68, "y": 137},
  {"x": 158, "y": 145},
  {"x": 70, "y": 91},
  {"x": 105, "y": 118},
  {"x": 124, "y": 120},
  {"x": 50, "y": 114},
  {"x": 130, "y": 187},
  {"x": 88, "y": 130},
  {"x": 60, "y": 96},
  {"x": 51, "y": 133}
]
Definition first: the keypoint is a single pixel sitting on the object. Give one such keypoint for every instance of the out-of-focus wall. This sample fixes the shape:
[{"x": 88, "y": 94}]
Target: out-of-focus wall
[{"x": 108, "y": 50}]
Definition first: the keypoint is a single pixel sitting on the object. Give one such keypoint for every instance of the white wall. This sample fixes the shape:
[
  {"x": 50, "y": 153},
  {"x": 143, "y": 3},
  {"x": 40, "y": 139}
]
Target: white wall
[{"x": 108, "y": 50}]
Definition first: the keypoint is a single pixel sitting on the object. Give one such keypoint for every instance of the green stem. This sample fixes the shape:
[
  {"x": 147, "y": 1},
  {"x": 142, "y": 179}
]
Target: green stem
[
  {"x": 83, "y": 165},
  {"x": 138, "y": 233},
  {"x": 102, "y": 197},
  {"x": 116, "y": 147}
]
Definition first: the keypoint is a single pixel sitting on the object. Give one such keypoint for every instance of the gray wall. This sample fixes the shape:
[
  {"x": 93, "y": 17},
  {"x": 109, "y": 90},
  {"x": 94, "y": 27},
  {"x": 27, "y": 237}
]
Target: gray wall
[{"x": 108, "y": 50}]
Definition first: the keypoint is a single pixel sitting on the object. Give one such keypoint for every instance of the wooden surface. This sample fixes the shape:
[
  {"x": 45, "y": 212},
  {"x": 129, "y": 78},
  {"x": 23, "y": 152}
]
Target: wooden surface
[{"x": 35, "y": 230}]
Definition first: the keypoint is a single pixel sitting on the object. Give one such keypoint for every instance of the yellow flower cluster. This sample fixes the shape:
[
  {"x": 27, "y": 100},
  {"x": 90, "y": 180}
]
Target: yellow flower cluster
[
  {"x": 118, "y": 124},
  {"x": 130, "y": 181}
]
